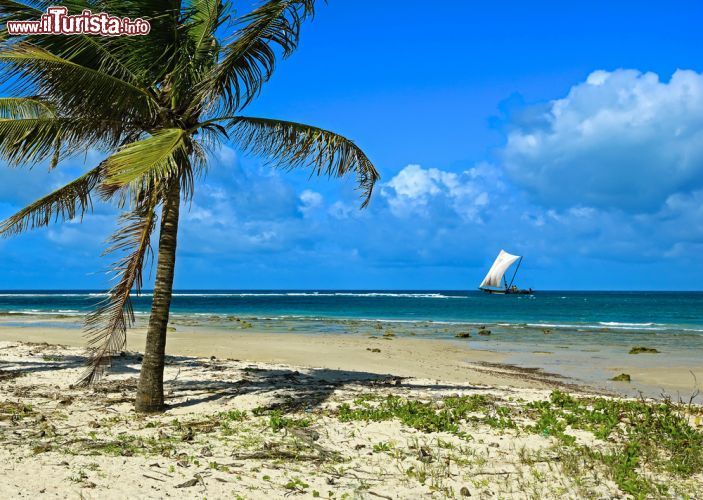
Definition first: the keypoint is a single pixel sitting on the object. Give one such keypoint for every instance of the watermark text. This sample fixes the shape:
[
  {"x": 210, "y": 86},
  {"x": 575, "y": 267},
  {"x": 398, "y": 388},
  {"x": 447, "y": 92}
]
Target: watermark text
[{"x": 56, "y": 21}]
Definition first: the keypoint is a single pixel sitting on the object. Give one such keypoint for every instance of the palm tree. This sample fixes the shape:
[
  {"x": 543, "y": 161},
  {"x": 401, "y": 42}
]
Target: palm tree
[{"x": 156, "y": 105}]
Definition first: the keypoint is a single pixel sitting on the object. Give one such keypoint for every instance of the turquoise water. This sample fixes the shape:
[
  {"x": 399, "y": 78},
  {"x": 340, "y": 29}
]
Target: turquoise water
[{"x": 581, "y": 311}]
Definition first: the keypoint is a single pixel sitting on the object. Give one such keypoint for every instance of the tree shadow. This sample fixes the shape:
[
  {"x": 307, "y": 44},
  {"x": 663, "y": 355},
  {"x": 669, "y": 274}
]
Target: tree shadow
[
  {"x": 50, "y": 362},
  {"x": 285, "y": 389},
  {"x": 281, "y": 388}
]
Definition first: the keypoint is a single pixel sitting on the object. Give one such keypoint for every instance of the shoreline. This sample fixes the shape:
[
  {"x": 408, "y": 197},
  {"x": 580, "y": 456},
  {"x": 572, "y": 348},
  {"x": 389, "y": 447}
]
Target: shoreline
[
  {"x": 474, "y": 360},
  {"x": 400, "y": 357}
]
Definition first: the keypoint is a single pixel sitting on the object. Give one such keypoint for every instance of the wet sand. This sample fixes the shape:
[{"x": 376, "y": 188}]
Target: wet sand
[
  {"x": 457, "y": 360},
  {"x": 402, "y": 357}
]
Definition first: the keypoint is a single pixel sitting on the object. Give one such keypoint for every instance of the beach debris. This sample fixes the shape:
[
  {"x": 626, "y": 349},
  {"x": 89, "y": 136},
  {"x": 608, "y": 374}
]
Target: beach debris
[
  {"x": 464, "y": 492},
  {"x": 188, "y": 435},
  {"x": 463, "y": 335},
  {"x": 424, "y": 454},
  {"x": 375, "y": 349},
  {"x": 379, "y": 495},
  {"x": 484, "y": 331},
  {"x": 41, "y": 448},
  {"x": 546, "y": 331},
  {"x": 623, "y": 377},
  {"x": 197, "y": 479},
  {"x": 643, "y": 350},
  {"x": 388, "y": 333}
]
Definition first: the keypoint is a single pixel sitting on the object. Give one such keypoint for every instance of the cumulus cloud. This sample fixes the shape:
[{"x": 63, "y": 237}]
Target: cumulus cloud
[
  {"x": 610, "y": 175},
  {"x": 621, "y": 139},
  {"x": 419, "y": 191},
  {"x": 310, "y": 201}
]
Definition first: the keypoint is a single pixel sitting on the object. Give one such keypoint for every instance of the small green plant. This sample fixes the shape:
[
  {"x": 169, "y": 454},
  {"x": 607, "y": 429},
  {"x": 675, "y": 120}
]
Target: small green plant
[
  {"x": 277, "y": 421},
  {"x": 296, "y": 484},
  {"x": 234, "y": 415},
  {"x": 382, "y": 447}
]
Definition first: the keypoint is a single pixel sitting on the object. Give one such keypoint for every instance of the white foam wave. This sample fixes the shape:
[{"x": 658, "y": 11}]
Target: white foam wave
[
  {"x": 254, "y": 294},
  {"x": 23, "y": 295},
  {"x": 615, "y": 323},
  {"x": 324, "y": 294}
]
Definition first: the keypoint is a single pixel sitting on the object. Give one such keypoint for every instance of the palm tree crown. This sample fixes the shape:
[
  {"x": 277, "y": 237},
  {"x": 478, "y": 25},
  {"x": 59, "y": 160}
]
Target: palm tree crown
[{"x": 156, "y": 105}]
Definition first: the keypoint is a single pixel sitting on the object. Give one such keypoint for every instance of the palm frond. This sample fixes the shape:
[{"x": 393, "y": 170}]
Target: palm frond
[
  {"x": 96, "y": 52},
  {"x": 72, "y": 86},
  {"x": 205, "y": 17},
  {"x": 15, "y": 11},
  {"x": 34, "y": 139},
  {"x": 24, "y": 107},
  {"x": 146, "y": 160},
  {"x": 106, "y": 327},
  {"x": 290, "y": 145},
  {"x": 249, "y": 61},
  {"x": 71, "y": 201}
]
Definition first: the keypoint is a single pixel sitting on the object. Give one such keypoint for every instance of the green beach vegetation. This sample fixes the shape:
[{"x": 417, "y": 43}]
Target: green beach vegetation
[
  {"x": 155, "y": 106},
  {"x": 646, "y": 449}
]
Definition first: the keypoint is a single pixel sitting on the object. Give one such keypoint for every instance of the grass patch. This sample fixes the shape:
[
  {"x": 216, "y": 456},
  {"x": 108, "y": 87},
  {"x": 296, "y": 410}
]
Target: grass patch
[
  {"x": 423, "y": 416},
  {"x": 654, "y": 437},
  {"x": 277, "y": 421},
  {"x": 646, "y": 448}
]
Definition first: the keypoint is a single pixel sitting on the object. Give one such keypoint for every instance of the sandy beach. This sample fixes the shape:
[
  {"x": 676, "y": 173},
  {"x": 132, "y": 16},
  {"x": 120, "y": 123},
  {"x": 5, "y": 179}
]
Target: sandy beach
[
  {"x": 257, "y": 415},
  {"x": 384, "y": 352},
  {"x": 404, "y": 357}
]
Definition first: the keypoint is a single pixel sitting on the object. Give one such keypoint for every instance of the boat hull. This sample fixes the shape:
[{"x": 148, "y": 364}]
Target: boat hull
[{"x": 508, "y": 292}]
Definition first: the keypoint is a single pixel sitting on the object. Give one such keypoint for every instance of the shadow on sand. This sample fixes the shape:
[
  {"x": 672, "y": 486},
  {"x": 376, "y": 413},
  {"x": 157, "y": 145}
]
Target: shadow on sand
[{"x": 199, "y": 381}]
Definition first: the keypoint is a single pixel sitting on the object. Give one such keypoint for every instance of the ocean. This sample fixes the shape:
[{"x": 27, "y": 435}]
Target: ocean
[
  {"x": 668, "y": 312},
  {"x": 576, "y": 334}
]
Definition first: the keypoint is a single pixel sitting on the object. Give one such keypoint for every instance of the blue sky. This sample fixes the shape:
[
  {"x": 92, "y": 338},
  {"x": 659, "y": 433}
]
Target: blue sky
[{"x": 571, "y": 134}]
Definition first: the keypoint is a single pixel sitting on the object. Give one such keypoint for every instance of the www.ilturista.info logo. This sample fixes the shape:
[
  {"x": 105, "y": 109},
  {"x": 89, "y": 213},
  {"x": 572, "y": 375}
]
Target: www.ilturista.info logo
[{"x": 56, "y": 21}]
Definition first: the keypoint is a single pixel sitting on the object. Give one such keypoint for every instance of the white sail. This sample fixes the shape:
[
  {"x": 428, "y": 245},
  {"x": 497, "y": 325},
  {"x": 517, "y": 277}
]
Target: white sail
[{"x": 495, "y": 274}]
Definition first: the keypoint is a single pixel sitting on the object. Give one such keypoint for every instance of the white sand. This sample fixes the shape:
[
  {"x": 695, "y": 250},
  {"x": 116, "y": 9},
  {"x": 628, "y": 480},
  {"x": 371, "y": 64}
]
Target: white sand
[{"x": 60, "y": 441}]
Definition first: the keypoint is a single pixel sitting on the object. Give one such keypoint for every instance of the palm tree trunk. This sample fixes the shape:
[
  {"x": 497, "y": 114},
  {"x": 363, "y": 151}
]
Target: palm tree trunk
[{"x": 150, "y": 392}]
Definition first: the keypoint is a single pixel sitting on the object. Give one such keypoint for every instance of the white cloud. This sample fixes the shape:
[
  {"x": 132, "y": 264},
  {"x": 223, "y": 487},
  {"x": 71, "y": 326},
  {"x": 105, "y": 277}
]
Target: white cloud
[
  {"x": 419, "y": 191},
  {"x": 310, "y": 201},
  {"x": 341, "y": 210},
  {"x": 621, "y": 139}
]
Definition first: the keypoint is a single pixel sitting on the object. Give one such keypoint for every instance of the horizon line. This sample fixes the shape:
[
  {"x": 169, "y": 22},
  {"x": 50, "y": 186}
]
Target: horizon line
[{"x": 176, "y": 290}]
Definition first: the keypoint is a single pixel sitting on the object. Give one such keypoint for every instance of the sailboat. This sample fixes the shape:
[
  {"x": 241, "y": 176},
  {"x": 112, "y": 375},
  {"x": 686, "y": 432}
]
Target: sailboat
[{"x": 496, "y": 274}]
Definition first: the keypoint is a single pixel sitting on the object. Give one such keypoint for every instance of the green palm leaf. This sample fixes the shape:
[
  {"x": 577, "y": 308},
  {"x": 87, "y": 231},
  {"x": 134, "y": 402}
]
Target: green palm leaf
[
  {"x": 71, "y": 85},
  {"x": 290, "y": 145},
  {"x": 23, "y": 107},
  {"x": 205, "y": 17},
  {"x": 32, "y": 140},
  {"x": 71, "y": 201},
  {"x": 143, "y": 161},
  {"x": 249, "y": 60}
]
